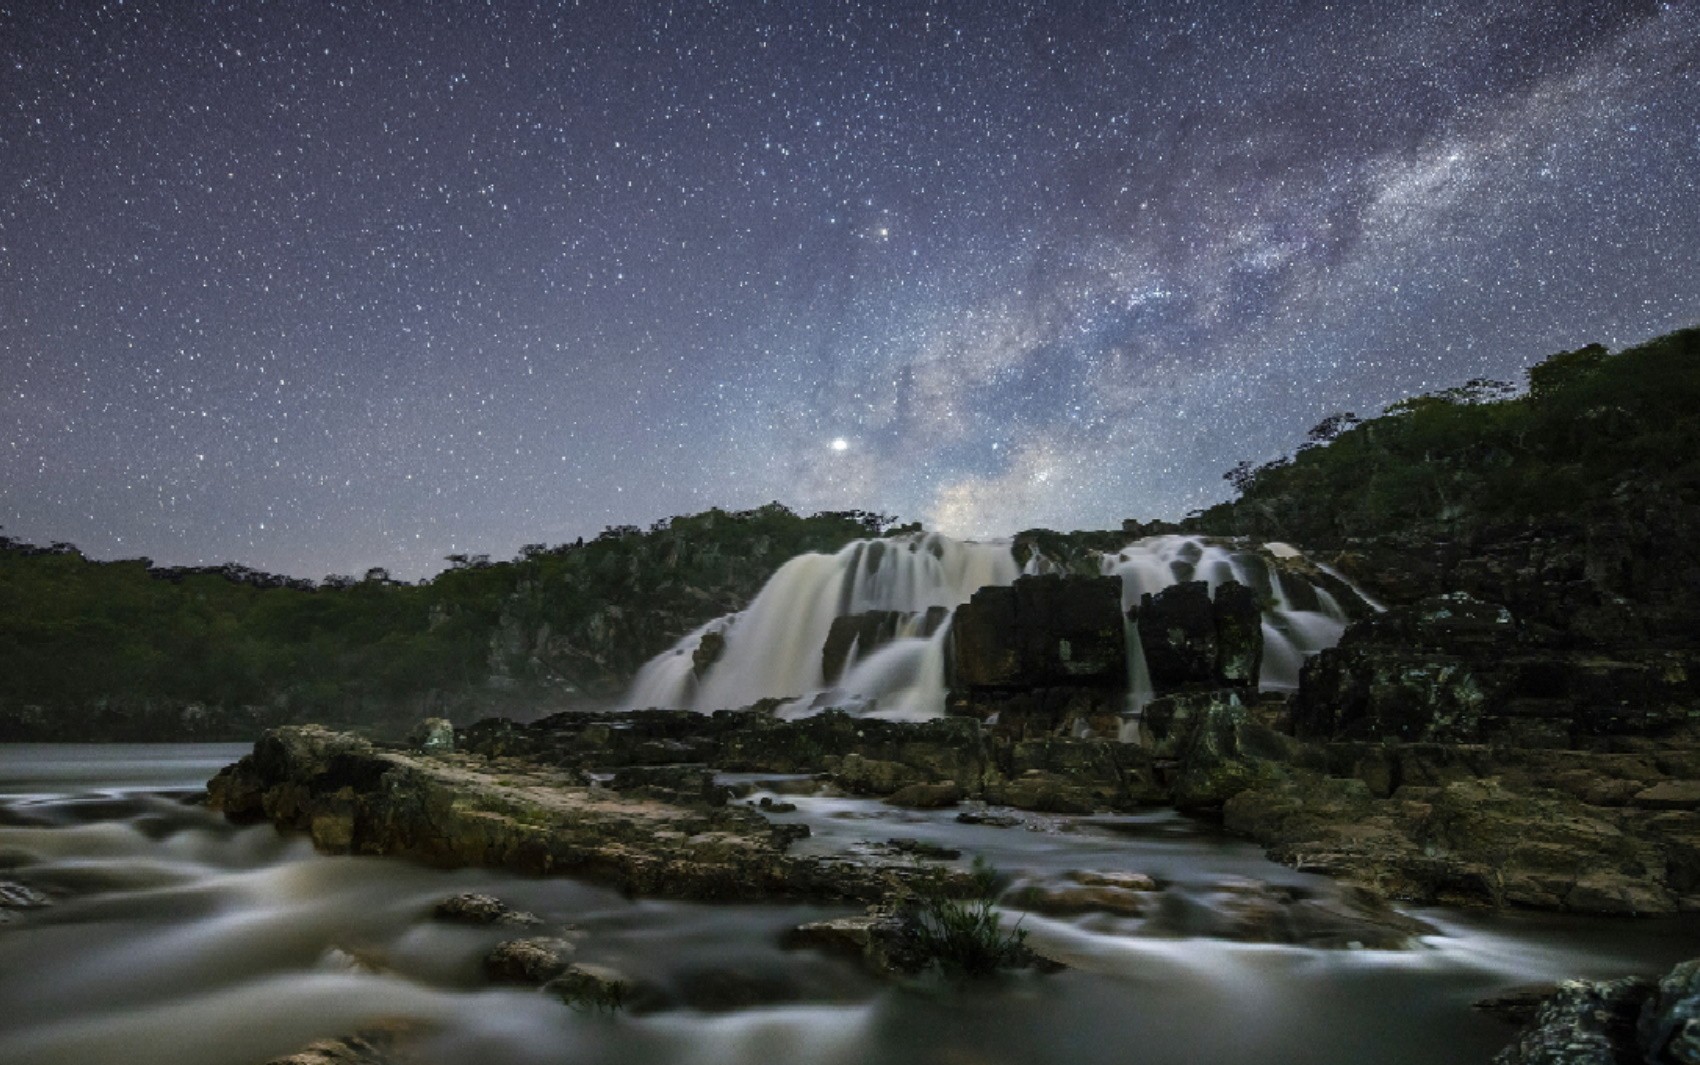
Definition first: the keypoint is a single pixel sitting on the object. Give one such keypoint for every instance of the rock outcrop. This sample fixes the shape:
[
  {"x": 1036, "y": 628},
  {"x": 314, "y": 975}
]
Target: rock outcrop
[
  {"x": 352, "y": 797},
  {"x": 1615, "y": 1022},
  {"x": 1046, "y": 655}
]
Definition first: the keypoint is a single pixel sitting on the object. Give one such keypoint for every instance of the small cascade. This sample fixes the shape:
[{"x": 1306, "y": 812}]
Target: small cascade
[
  {"x": 773, "y": 649},
  {"x": 1299, "y": 619}
]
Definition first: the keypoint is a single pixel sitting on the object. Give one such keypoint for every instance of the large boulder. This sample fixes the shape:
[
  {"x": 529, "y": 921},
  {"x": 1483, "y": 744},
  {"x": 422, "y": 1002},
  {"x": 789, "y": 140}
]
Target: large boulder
[
  {"x": 1585, "y": 1023},
  {"x": 1192, "y": 640},
  {"x": 1239, "y": 635},
  {"x": 1042, "y": 631},
  {"x": 1177, "y": 630}
]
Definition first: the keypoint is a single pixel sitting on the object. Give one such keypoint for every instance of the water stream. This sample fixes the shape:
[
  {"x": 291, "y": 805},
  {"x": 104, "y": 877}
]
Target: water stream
[{"x": 173, "y": 937}]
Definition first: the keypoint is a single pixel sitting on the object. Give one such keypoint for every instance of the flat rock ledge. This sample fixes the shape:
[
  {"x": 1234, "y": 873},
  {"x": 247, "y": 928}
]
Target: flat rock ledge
[{"x": 458, "y": 810}]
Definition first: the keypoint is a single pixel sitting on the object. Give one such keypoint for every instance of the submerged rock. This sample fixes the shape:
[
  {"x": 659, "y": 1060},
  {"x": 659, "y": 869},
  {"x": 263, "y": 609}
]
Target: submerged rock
[
  {"x": 384, "y": 1044},
  {"x": 594, "y": 986}
]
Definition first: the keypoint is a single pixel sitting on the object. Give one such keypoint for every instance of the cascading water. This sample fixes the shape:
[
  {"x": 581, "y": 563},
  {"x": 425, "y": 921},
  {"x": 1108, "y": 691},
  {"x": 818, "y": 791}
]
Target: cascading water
[
  {"x": 1299, "y": 618},
  {"x": 774, "y": 648}
]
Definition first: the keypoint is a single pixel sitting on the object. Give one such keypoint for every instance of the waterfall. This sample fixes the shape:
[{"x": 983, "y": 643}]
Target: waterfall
[
  {"x": 1299, "y": 619},
  {"x": 775, "y": 647}
]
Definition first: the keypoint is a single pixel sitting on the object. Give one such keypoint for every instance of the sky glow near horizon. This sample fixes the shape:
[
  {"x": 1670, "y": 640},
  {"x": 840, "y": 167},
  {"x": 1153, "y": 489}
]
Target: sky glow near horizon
[{"x": 321, "y": 287}]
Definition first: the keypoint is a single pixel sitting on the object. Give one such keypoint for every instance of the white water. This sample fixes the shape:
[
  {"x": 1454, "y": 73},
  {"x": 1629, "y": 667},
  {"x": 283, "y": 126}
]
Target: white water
[
  {"x": 1299, "y": 619},
  {"x": 173, "y": 938},
  {"x": 773, "y": 648}
]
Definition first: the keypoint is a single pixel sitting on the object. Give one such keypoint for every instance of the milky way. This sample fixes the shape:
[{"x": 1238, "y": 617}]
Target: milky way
[{"x": 316, "y": 287}]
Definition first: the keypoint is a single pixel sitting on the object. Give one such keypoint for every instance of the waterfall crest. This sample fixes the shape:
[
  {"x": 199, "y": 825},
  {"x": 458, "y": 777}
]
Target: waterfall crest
[
  {"x": 773, "y": 648},
  {"x": 894, "y": 598}
]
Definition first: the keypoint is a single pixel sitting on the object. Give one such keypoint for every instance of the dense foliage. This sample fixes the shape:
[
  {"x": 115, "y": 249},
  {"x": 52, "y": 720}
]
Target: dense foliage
[
  {"x": 1483, "y": 453},
  {"x": 574, "y": 617}
]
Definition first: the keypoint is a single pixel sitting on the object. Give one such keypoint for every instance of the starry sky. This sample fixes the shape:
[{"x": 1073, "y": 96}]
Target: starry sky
[{"x": 318, "y": 286}]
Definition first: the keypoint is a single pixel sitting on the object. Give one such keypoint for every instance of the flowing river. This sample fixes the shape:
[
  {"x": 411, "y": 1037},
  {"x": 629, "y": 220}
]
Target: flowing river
[{"x": 169, "y": 936}]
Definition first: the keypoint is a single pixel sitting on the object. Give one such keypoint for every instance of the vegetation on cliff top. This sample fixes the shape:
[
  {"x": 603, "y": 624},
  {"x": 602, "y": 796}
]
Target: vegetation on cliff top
[
  {"x": 1590, "y": 426},
  {"x": 576, "y": 617}
]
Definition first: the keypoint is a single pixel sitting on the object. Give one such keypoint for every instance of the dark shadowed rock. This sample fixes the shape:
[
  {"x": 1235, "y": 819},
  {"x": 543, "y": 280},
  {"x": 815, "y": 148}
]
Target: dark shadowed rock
[
  {"x": 1668, "y": 1030},
  {"x": 1583, "y": 1023},
  {"x": 861, "y": 633},
  {"x": 1239, "y": 635},
  {"x": 1043, "y": 631},
  {"x": 1177, "y": 630}
]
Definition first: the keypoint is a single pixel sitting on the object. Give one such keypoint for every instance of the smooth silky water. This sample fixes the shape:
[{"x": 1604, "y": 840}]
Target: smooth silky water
[{"x": 176, "y": 938}]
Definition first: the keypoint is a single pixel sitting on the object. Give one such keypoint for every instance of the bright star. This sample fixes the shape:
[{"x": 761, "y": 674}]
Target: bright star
[{"x": 840, "y": 444}]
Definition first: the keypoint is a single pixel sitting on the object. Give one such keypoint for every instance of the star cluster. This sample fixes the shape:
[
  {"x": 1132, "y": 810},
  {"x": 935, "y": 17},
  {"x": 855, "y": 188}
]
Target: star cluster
[{"x": 322, "y": 286}]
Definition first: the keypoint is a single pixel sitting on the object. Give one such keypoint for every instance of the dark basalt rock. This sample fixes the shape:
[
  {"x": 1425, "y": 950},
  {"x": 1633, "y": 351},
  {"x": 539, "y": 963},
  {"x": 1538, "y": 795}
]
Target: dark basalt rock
[
  {"x": 1177, "y": 630},
  {"x": 863, "y": 633},
  {"x": 1043, "y": 631},
  {"x": 1455, "y": 669},
  {"x": 1239, "y": 635}
]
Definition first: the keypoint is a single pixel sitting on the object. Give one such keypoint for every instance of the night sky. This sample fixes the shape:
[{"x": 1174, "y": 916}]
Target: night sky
[{"x": 317, "y": 287}]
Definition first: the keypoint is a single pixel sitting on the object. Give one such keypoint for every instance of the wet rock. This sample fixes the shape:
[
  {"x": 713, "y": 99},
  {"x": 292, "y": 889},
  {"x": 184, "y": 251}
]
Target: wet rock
[
  {"x": 1044, "y": 631},
  {"x": 1668, "y": 1029},
  {"x": 767, "y": 805},
  {"x": 1177, "y": 631},
  {"x": 983, "y": 816},
  {"x": 926, "y": 796},
  {"x": 685, "y": 784},
  {"x": 472, "y": 908},
  {"x": 1582, "y": 1024},
  {"x": 1517, "y": 1005},
  {"x": 1118, "y": 894},
  {"x": 460, "y": 809},
  {"x": 1254, "y": 911},
  {"x": 583, "y": 984},
  {"x": 1238, "y": 618},
  {"x": 875, "y": 776},
  {"x": 434, "y": 735},
  {"x": 921, "y": 848},
  {"x": 862, "y": 633},
  {"x": 1471, "y": 842},
  {"x": 879, "y": 939},
  {"x": 1044, "y": 792},
  {"x": 16, "y": 897},
  {"x": 379, "y": 1045},
  {"x": 528, "y": 961},
  {"x": 709, "y": 650}
]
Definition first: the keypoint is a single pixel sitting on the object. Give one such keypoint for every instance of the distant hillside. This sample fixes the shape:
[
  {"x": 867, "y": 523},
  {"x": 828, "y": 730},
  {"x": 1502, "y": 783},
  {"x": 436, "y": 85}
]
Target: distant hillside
[{"x": 130, "y": 650}]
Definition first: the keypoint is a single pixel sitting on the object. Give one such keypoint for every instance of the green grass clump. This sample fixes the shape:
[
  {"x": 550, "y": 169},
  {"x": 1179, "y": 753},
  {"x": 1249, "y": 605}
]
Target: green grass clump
[{"x": 965, "y": 936}]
